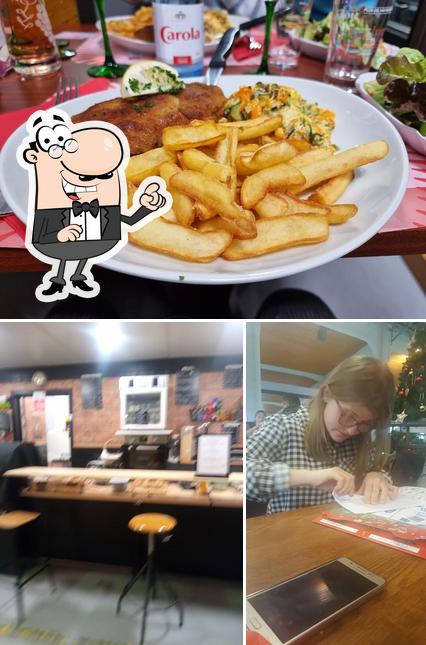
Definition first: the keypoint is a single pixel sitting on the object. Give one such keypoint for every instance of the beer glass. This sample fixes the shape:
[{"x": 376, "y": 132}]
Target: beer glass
[
  {"x": 29, "y": 37},
  {"x": 356, "y": 29}
]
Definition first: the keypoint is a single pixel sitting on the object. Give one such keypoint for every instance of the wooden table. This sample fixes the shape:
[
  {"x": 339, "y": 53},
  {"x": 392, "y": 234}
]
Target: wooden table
[
  {"x": 17, "y": 93},
  {"x": 282, "y": 545}
]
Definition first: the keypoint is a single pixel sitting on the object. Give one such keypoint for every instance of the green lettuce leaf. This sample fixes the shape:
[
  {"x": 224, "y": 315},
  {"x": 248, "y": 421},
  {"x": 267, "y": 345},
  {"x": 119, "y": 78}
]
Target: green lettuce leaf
[
  {"x": 376, "y": 91},
  {"x": 400, "y": 67},
  {"x": 413, "y": 55}
]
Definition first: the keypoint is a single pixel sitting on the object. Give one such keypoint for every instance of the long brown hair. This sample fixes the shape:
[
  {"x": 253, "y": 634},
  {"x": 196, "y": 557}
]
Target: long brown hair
[{"x": 359, "y": 379}]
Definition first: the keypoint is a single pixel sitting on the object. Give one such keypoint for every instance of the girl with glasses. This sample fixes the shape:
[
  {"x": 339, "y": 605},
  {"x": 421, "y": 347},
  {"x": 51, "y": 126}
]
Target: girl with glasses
[{"x": 299, "y": 459}]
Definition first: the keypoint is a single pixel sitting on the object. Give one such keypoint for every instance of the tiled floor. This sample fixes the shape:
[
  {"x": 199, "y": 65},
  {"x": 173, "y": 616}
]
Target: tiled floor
[{"x": 82, "y": 611}]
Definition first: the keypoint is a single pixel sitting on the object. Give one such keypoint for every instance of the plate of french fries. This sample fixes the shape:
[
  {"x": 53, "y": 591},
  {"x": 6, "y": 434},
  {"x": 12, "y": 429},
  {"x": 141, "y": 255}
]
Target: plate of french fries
[
  {"x": 136, "y": 32},
  {"x": 250, "y": 206}
]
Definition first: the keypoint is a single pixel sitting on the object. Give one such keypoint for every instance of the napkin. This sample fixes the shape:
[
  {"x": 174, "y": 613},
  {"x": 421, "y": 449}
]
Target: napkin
[{"x": 241, "y": 49}]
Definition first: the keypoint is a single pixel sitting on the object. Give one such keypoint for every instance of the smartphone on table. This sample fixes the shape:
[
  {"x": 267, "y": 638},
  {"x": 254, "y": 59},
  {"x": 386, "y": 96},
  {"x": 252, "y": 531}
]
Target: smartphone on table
[{"x": 292, "y": 610}]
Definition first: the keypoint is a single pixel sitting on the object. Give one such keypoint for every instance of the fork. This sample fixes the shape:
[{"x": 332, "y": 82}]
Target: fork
[{"x": 66, "y": 90}]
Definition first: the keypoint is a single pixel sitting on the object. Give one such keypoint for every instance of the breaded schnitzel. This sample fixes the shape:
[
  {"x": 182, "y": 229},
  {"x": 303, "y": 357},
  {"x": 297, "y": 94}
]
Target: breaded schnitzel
[{"x": 142, "y": 118}]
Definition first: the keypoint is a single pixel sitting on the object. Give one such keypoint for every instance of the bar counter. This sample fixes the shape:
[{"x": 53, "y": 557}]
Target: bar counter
[
  {"x": 82, "y": 520},
  {"x": 168, "y": 492}
]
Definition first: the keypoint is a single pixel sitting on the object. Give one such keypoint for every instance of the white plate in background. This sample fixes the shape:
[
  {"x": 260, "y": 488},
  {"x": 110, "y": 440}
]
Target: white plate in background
[{"x": 147, "y": 47}]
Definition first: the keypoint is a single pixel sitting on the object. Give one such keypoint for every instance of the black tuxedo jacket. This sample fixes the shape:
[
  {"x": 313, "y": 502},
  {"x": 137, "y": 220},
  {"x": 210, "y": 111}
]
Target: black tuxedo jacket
[{"x": 49, "y": 221}]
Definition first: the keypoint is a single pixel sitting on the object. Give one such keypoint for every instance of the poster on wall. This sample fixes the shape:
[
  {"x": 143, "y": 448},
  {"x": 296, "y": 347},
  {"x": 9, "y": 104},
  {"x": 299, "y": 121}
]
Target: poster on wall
[
  {"x": 39, "y": 401},
  {"x": 187, "y": 391},
  {"x": 233, "y": 376},
  {"x": 91, "y": 391}
]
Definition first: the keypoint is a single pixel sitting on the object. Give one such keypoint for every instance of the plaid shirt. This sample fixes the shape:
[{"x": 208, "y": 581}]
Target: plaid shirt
[{"x": 277, "y": 446}]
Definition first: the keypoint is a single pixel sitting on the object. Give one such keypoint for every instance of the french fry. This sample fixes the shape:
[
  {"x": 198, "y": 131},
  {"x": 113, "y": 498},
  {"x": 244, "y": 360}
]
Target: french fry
[
  {"x": 279, "y": 205},
  {"x": 340, "y": 213},
  {"x": 279, "y": 233},
  {"x": 268, "y": 155},
  {"x": 221, "y": 150},
  {"x": 182, "y": 205},
  {"x": 146, "y": 164},
  {"x": 266, "y": 139},
  {"x": 265, "y": 127},
  {"x": 203, "y": 212},
  {"x": 341, "y": 163},
  {"x": 180, "y": 137},
  {"x": 311, "y": 156},
  {"x": 215, "y": 224},
  {"x": 256, "y": 186},
  {"x": 131, "y": 189},
  {"x": 194, "y": 159},
  {"x": 248, "y": 123},
  {"x": 182, "y": 242},
  {"x": 232, "y": 147},
  {"x": 330, "y": 191},
  {"x": 217, "y": 196},
  {"x": 170, "y": 216}
]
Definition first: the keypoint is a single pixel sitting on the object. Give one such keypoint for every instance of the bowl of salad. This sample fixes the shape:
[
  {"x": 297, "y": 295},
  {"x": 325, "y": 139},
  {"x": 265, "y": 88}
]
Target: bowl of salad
[
  {"x": 312, "y": 40},
  {"x": 398, "y": 89}
]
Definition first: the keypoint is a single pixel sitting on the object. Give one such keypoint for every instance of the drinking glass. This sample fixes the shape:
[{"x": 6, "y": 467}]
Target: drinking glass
[
  {"x": 285, "y": 56},
  {"x": 356, "y": 29},
  {"x": 29, "y": 37},
  {"x": 110, "y": 68}
]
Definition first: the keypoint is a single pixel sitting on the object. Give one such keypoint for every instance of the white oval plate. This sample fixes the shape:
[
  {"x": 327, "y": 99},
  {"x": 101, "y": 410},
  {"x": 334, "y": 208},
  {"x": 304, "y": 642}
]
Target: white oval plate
[
  {"x": 146, "y": 47},
  {"x": 409, "y": 134},
  {"x": 377, "y": 190}
]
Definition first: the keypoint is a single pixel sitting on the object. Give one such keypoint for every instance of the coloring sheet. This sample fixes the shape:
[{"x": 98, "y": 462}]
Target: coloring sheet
[{"x": 409, "y": 497}]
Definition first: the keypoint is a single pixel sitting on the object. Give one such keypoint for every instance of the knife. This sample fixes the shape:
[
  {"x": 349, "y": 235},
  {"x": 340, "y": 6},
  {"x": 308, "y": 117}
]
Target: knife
[{"x": 224, "y": 48}]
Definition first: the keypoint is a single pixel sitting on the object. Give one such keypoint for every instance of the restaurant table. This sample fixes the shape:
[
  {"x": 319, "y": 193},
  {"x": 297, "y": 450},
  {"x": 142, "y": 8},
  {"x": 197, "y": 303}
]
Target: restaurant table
[
  {"x": 283, "y": 545},
  {"x": 159, "y": 299}
]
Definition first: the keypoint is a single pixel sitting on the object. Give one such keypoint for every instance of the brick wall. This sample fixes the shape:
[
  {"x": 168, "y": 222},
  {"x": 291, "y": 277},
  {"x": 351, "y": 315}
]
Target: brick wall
[{"x": 92, "y": 428}]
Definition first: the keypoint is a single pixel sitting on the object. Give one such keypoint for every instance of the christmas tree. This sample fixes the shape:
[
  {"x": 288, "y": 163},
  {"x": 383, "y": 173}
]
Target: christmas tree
[{"x": 410, "y": 398}]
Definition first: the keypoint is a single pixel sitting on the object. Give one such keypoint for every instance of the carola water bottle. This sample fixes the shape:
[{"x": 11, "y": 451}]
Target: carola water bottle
[{"x": 179, "y": 34}]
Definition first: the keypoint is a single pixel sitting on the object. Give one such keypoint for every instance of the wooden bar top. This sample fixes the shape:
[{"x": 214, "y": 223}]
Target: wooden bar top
[
  {"x": 123, "y": 473},
  {"x": 174, "y": 495},
  {"x": 282, "y": 545}
]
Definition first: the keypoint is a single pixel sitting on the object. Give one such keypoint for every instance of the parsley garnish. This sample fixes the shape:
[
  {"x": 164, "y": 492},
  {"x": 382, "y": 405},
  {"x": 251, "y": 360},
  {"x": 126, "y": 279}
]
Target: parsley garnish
[
  {"x": 149, "y": 103},
  {"x": 137, "y": 107},
  {"x": 181, "y": 278},
  {"x": 134, "y": 84}
]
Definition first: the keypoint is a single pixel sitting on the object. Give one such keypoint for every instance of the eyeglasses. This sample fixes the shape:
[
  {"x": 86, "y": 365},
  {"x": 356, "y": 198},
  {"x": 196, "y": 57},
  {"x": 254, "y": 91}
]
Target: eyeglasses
[{"x": 349, "y": 419}]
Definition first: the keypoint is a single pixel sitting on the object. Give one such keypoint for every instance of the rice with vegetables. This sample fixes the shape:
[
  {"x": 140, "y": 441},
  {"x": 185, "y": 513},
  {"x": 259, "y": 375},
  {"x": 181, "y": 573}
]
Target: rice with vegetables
[{"x": 301, "y": 121}]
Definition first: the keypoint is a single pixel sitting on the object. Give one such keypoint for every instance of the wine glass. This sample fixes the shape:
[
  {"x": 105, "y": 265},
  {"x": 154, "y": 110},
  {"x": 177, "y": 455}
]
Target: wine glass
[
  {"x": 270, "y": 8},
  {"x": 285, "y": 56},
  {"x": 110, "y": 69}
]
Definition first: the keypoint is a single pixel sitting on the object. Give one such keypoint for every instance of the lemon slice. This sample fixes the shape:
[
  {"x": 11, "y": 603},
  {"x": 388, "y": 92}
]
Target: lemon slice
[{"x": 150, "y": 77}]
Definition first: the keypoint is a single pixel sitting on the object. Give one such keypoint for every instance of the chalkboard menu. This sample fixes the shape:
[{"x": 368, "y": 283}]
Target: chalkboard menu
[
  {"x": 187, "y": 390},
  {"x": 91, "y": 391},
  {"x": 233, "y": 376}
]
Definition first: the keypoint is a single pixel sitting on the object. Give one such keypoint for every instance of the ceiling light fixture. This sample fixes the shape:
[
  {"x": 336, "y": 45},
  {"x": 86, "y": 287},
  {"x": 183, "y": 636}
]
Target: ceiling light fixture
[{"x": 109, "y": 336}]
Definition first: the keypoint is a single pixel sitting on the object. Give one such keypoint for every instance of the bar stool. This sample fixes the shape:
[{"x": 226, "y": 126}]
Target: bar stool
[
  {"x": 152, "y": 525},
  {"x": 10, "y": 557}
]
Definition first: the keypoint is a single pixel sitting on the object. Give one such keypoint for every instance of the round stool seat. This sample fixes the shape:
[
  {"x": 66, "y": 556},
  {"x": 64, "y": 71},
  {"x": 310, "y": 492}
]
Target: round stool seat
[{"x": 152, "y": 523}]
